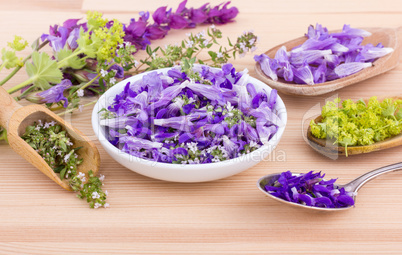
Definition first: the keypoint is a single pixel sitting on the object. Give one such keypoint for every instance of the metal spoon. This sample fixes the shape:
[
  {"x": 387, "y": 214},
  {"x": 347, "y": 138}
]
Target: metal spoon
[
  {"x": 352, "y": 186},
  {"x": 15, "y": 118},
  {"x": 389, "y": 37}
]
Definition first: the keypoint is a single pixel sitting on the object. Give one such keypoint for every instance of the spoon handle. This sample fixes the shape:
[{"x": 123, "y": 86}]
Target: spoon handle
[
  {"x": 7, "y": 107},
  {"x": 357, "y": 183}
]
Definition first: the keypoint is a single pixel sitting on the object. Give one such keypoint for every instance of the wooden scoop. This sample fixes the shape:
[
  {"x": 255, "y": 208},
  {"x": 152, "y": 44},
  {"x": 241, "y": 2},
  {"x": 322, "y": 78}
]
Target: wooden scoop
[
  {"x": 389, "y": 37},
  {"x": 327, "y": 146},
  {"x": 15, "y": 118}
]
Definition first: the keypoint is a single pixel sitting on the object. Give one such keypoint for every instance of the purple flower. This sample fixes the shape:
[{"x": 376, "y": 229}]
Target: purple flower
[
  {"x": 323, "y": 56},
  {"x": 140, "y": 32},
  {"x": 118, "y": 70},
  {"x": 188, "y": 122},
  {"x": 56, "y": 93},
  {"x": 309, "y": 189},
  {"x": 60, "y": 35}
]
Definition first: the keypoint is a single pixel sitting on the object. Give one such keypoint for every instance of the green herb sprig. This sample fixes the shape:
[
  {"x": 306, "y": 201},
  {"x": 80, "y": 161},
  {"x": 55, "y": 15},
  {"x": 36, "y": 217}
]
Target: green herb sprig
[{"x": 55, "y": 146}]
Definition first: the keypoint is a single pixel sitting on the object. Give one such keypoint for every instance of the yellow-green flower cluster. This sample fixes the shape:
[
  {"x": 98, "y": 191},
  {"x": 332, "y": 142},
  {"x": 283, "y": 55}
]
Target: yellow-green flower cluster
[{"x": 358, "y": 123}]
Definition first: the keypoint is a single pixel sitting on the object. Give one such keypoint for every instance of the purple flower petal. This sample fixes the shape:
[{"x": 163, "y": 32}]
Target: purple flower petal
[
  {"x": 56, "y": 93},
  {"x": 268, "y": 66},
  {"x": 304, "y": 74},
  {"x": 350, "y": 68}
]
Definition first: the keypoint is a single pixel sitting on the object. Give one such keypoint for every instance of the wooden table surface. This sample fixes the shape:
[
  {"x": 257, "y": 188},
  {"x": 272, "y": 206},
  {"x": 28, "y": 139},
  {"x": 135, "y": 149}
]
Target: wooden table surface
[{"x": 228, "y": 216}]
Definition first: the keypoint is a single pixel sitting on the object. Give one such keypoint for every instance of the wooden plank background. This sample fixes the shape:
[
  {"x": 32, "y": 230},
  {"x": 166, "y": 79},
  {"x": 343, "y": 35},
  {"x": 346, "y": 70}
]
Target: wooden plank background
[{"x": 228, "y": 216}]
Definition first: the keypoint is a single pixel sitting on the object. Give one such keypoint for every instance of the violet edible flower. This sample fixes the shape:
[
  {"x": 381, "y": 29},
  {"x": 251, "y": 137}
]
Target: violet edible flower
[
  {"x": 187, "y": 121},
  {"x": 310, "y": 189},
  {"x": 323, "y": 56},
  {"x": 56, "y": 93}
]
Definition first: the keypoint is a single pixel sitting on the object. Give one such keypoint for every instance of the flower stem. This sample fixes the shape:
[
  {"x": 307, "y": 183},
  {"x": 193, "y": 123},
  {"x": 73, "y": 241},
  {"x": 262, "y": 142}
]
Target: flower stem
[
  {"x": 72, "y": 109},
  {"x": 3, "y": 65},
  {"x": 8, "y": 77},
  {"x": 21, "y": 85}
]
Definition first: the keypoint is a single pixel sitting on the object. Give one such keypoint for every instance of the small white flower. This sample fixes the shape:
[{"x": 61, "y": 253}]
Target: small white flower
[
  {"x": 216, "y": 159},
  {"x": 192, "y": 147},
  {"x": 75, "y": 155},
  {"x": 103, "y": 73},
  {"x": 84, "y": 179},
  {"x": 52, "y": 123},
  {"x": 47, "y": 125},
  {"x": 136, "y": 63},
  {"x": 54, "y": 147},
  {"x": 40, "y": 123},
  {"x": 95, "y": 195},
  {"x": 66, "y": 157},
  {"x": 189, "y": 44},
  {"x": 106, "y": 205},
  {"x": 188, "y": 34},
  {"x": 219, "y": 55},
  {"x": 200, "y": 34},
  {"x": 253, "y": 144},
  {"x": 37, "y": 128},
  {"x": 205, "y": 43},
  {"x": 153, "y": 55},
  {"x": 106, "y": 193},
  {"x": 69, "y": 172},
  {"x": 229, "y": 106},
  {"x": 97, "y": 205},
  {"x": 212, "y": 26},
  {"x": 80, "y": 107},
  {"x": 80, "y": 175},
  {"x": 127, "y": 44},
  {"x": 112, "y": 80},
  {"x": 253, "y": 49},
  {"x": 59, "y": 153},
  {"x": 121, "y": 45},
  {"x": 252, "y": 41},
  {"x": 101, "y": 177},
  {"x": 80, "y": 92}
]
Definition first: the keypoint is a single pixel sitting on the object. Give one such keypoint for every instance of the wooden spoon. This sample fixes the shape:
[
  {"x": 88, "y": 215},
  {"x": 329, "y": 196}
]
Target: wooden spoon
[
  {"x": 328, "y": 148},
  {"x": 389, "y": 37},
  {"x": 15, "y": 118}
]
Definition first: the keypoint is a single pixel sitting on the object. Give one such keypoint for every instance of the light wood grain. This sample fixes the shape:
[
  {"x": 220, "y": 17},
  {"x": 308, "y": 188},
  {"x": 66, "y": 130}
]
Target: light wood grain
[{"x": 228, "y": 216}]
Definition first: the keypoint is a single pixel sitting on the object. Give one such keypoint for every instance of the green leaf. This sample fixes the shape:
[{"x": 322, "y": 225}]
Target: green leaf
[
  {"x": 58, "y": 169},
  {"x": 43, "y": 71},
  {"x": 63, "y": 173},
  {"x": 63, "y": 146},
  {"x": 212, "y": 54},
  {"x": 70, "y": 60},
  {"x": 230, "y": 43},
  {"x": 148, "y": 50}
]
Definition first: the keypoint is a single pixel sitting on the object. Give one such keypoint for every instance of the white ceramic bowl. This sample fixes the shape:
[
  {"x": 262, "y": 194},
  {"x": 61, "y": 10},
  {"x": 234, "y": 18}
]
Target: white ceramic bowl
[{"x": 184, "y": 173}]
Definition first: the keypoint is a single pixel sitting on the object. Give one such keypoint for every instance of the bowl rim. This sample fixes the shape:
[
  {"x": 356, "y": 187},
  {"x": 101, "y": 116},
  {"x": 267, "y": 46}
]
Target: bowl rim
[{"x": 117, "y": 88}]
